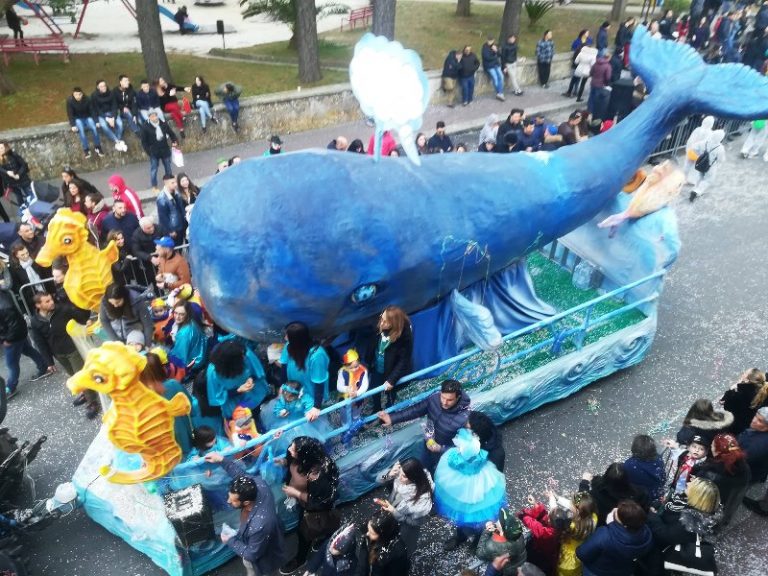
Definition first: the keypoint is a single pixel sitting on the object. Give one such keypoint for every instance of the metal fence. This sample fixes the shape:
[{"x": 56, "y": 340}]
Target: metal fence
[{"x": 676, "y": 139}]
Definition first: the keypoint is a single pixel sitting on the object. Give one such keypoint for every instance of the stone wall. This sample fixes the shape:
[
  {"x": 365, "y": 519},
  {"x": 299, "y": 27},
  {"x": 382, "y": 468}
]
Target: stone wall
[{"x": 49, "y": 148}]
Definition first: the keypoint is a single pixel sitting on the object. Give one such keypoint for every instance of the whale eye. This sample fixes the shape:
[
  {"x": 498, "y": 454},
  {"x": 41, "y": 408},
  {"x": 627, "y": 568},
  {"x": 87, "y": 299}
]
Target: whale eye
[{"x": 364, "y": 293}]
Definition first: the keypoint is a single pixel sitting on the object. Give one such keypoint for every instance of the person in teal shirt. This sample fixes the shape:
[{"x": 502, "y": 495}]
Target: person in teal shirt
[
  {"x": 306, "y": 363},
  {"x": 235, "y": 377},
  {"x": 190, "y": 344},
  {"x": 153, "y": 377}
]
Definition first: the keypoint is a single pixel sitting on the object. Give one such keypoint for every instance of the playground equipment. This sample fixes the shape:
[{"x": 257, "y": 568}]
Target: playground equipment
[{"x": 132, "y": 11}]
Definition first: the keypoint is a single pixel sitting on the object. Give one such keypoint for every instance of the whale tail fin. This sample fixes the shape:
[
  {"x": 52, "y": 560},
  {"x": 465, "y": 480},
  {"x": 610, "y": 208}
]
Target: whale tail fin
[{"x": 724, "y": 90}]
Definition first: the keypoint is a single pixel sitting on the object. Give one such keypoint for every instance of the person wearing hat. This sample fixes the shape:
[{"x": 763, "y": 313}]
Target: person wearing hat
[
  {"x": 505, "y": 536},
  {"x": 154, "y": 137},
  {"x": 172, "y": 267},
  {"x": 600, "y": 82},
  {"x": 352, "y": 382},
  {"x": 135, "y": 340},
  {"x": 275, "y": 146}
]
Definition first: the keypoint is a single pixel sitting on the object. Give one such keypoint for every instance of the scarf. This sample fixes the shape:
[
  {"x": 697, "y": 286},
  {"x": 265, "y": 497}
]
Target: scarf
[
  {"x": 158, "y": 131},
  {"x": 32, "y": 274}
]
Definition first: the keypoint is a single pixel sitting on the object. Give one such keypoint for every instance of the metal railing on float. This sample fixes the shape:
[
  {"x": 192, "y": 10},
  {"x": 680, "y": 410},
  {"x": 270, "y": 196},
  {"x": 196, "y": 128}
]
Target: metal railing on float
[{"x": 568, "y": 331}]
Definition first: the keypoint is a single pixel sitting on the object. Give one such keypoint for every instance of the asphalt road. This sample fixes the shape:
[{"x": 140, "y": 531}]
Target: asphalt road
[{"x": 711, "y": 327}]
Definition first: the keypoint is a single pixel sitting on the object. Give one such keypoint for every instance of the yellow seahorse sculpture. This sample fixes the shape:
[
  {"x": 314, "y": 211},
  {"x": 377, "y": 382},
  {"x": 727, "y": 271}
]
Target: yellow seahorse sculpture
[
  {"x": 90, "y": 270},
  {"x": 139, "y": 421}
]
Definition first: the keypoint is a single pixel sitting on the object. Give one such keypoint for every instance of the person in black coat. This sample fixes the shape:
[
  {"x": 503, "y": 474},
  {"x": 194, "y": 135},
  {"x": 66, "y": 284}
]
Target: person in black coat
[
  {"x": 490, "y": 439},
  {"x": 385, "y": 552},
  {"x": 729, "y": 470},
  {"x": 703, "y": 420},
  {"x": 80, "y": 114},
  {"x": 697, "y": 511},
  {"x": 390, "y": 352},
  {"x": 104, "y": 106},
  {"x": 14, "y": 23},
  {"x": 610, "y": 488},
  {"x": 28, "y": 274},
  {"x": 14, "y": 174},
  {"x": 450, "y": 76},
  {"x": 744, "y": 398},
  {"x": 467, "y": 68},
  {"x": 13, "y": 336},
  {"x": 127, "y": 107},
  {"x": 155, "y": 135}
]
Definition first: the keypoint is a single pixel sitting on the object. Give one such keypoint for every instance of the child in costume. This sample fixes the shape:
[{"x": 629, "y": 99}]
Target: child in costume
[
  {"x": 469, "y": 490},
  {"x": 582, "y": 511},
  {"x": 163, "y": 321},
  {"x": 351, "y": 383},
  {"x": 292, "y": 404},
  {"x": 695, "y": 454},
  {"x": 505, "y": 536},
  {"x": 545, "y": 527}
]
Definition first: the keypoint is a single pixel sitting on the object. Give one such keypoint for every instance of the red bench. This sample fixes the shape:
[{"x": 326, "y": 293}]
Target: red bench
[
  {"x": 363, "y": 15},
  {"x": 34, "y": 46}
]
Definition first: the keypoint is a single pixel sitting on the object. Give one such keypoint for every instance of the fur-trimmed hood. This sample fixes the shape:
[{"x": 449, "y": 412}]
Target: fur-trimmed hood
[{"x": 713, "y": 424}]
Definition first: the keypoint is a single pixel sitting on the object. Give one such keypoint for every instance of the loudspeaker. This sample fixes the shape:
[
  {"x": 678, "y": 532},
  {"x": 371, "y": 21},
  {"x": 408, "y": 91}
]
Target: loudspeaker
[{"x": 220, "y": 27}]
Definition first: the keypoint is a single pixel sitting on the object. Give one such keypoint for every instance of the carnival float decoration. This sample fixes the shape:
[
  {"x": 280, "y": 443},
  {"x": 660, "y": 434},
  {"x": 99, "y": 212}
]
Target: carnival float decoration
[{"x": 470, "y": 245}]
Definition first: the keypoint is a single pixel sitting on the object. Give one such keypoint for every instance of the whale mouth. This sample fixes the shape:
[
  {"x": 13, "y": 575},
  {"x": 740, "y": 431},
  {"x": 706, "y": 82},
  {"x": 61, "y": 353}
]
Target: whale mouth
[{"x": 365, "y": 293}]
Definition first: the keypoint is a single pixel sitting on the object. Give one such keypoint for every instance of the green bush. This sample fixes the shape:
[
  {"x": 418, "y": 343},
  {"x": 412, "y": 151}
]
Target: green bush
[
  {"x": 536, "y": 9},
  {"x": 679, "y": 7}
]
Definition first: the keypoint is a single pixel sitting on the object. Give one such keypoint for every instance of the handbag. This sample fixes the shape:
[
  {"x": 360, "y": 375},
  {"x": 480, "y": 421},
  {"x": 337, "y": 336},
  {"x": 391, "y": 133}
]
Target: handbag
[
  {"x": 177, "y": 156},
  {"x": 319, "y": 524},
  {"x": 691, "y": 558}
]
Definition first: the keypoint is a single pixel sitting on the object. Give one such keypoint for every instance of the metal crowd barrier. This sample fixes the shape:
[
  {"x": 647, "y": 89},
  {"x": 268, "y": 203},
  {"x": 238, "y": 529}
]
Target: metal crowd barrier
[{"x": 676, "y": 139}]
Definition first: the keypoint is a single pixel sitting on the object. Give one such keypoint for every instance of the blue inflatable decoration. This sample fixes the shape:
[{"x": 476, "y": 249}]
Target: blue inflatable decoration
[{"x": 302, "y": 236}]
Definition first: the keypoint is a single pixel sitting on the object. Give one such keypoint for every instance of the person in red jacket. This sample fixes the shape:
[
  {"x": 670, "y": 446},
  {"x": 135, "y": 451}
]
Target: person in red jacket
[
  {"x": 121, "y": 192},
  {"x": 544, "y": 547}
]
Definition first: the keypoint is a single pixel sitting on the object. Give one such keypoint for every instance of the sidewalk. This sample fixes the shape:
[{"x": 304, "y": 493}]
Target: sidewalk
[{"x": 200, "y": 166}]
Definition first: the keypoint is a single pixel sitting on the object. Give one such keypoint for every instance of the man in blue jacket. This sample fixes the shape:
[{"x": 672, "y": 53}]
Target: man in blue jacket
[
  {"x": 613, "y": 548},
  {"x": 171, "y": 214},
  {"x": 447, "y": 412},
  {"x": 259, "y": 539}
]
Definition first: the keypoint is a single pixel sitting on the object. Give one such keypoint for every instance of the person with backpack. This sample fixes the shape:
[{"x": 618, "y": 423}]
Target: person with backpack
[{"x": 710, "y": 155}]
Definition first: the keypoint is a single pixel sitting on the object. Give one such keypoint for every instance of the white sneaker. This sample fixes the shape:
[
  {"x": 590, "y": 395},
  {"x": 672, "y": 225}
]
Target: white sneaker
[{"x": 123, "y": 146}]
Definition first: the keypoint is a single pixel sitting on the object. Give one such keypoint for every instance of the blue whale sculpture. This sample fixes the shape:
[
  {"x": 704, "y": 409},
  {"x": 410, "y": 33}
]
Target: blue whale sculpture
[{"x": 331, "y": 238}]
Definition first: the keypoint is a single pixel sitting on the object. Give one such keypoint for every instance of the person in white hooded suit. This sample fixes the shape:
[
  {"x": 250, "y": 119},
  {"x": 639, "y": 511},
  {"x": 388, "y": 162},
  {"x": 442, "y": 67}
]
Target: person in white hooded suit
[
  {"x": 699, "y": 135},
  {"x": 713, "y": 146}
]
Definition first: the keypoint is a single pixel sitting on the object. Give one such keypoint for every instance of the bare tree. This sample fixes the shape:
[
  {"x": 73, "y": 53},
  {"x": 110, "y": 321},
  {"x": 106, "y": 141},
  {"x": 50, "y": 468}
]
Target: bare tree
[
  {"x": 463, "y": 8},
  {"x": 618, "y": 9},
  {"x": 510, "y": 20},
  {"x": 384, "y": 18},
  {"x": 151, "y": 36},
  {"x": 306, "y": 37},
  {"x": 6, "y": 86}
]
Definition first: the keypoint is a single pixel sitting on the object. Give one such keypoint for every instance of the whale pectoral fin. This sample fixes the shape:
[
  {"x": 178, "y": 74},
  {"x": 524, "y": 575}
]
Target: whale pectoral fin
[
  {"x": 613, "y": 221},
  {"x": 179, "y": 405}
]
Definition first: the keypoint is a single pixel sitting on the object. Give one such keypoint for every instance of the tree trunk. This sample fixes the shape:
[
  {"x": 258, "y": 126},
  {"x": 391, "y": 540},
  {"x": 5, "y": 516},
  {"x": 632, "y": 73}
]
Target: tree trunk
[
  {"x": 306, "y": 37},
  {"x": 6, "y": 86},
  {"x": 463, "y": 8},
  {"x": 384, "y": 18},
  {"x": 510, "y": 20},
  {"x": 151, "y": 36},
  {"x": 618, "y": 9}
]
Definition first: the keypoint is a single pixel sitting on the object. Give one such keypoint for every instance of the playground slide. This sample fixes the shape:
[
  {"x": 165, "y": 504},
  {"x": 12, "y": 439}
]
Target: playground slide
[{"x": 168, "y": 14}]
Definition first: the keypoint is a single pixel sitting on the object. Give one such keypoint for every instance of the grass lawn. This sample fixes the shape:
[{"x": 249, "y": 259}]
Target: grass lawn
[
  {"x": 42, "y": 90},
  {"x": 432, "y": 29}
]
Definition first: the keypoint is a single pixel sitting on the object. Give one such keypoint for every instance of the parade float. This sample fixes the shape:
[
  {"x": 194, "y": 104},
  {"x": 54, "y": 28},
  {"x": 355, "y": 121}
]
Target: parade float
[{"x": 527, "y": 277}]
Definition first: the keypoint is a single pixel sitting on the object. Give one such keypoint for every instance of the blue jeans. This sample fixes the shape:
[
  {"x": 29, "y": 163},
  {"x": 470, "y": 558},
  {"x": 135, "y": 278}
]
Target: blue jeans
[
  {"x": 128, "y": 118},
  {"x": 115, "y": 135},
  {"x": 91, "y": 125},
  {"x": 13, "y": 354},
  {"x": 154, "y": 163},
  {"x": 497, "y": 78},
  {"x": 205, "y": 111},
  {"x": 233, "y": 107},
  {"x": 467, "y": 88}
]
